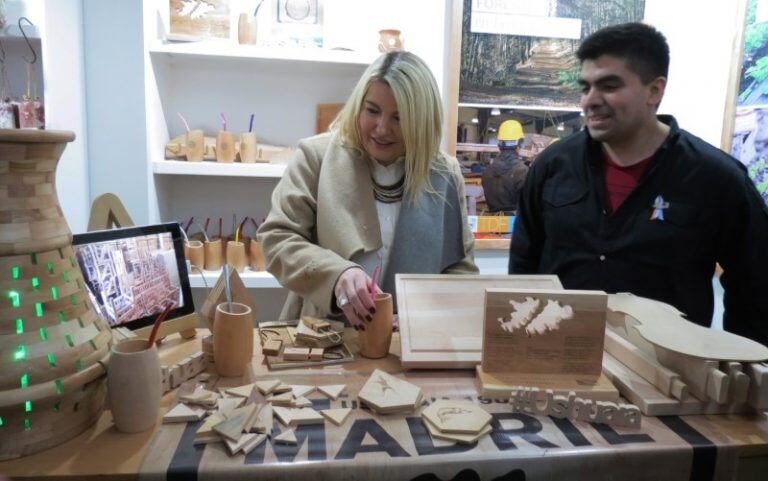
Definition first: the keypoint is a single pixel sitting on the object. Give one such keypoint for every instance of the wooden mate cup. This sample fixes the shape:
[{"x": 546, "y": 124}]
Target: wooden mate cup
[
  {"x": 134, "y": 385},
  {"x": 375, "y": 339},
  {"x": 257, "y": 256},
  {"x": 195, "y": 145},
  {"x": 225, "y": 147},
  {"x": 195, "y": 253},
  {"x": 232, "y": 338},
  {"x": 246, "y": 29},
  {"x": 236, "y": 255},
  {"x": 213, "y": 255},
  {"x": 248, "y": 146}
]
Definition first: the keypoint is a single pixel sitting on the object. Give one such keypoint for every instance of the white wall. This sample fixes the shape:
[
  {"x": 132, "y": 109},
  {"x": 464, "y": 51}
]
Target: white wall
[{"x": 701, "y": 35}]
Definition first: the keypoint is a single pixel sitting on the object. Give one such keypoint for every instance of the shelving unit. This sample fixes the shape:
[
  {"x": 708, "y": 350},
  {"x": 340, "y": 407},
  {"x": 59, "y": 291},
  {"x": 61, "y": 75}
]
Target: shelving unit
[
  {"x": 251, "y": 279},
  {"x": 180, "y": 167}
]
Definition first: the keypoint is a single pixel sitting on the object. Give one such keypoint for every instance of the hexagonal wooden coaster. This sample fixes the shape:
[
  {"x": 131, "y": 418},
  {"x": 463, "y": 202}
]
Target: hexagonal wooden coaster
[{"x": 457, "y": 417}]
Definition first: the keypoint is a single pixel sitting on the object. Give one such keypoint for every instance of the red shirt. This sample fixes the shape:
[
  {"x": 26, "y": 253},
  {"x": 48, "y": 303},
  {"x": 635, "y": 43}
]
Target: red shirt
[{"x": 620, "y": 181}]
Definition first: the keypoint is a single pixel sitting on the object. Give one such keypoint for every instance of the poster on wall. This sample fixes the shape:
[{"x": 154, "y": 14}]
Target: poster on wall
[
  {"x": 749, "y": 139},
  {"x": 522, "y": 52}
]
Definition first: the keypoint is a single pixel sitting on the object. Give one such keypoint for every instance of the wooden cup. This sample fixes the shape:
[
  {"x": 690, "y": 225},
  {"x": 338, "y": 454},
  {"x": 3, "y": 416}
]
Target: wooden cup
[
  {"x": 236, "y": 255},
  {"x": 246, "y": 29},
  {"x": 134, "y": 385},
  {"x": 213, "y": 256},
  {"x": 225, "y": 147},
  {"x": 232, "y": 338},
  {"x": 248, "y": 146},
  {"x": 375, "y": 339},
  {"x": 195, "y": 145},
  {"x": 195, "y": 253},
  {"x": 257, "y": 256}
]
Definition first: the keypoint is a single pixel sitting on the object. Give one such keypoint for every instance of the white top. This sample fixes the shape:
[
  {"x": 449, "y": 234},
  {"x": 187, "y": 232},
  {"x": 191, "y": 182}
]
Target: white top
[{"x": 388, "y": 214}]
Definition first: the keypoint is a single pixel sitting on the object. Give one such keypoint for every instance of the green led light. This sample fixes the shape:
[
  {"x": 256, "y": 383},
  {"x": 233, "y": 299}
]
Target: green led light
[
  {"x": 50, "y": 267},
  {"x": 73, "y": 299},
  {"x": 62, "y": 317},
  {"x": 35, "y": 283},
  {"x": 28, "y": 406},
  {"x": 39, "y": 309},
  {"x": 65, "y": 276},
  {"x": 15, "y": 298},
  {"x": 24, "y": 380},
  {"x": 20, "y": 354},
  {"x": 51, "y": 359},
  {"x": 15, "y": 272},
  {"x": 43, "y": 334},
  {"x": 19, "y": 326},
  {"x": 1, "y": 421},
  {"x": 59, "y": 387},
  {"x": 54, "y": 293},
  {"x": 69, "y": 340},
  {"x": 27, "y": 425}
]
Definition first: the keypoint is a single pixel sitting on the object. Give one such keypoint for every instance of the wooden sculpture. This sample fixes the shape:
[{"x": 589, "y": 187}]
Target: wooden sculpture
[{"x": 53, "y": 346}]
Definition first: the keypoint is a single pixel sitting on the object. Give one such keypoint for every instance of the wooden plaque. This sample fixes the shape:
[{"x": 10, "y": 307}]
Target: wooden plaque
[
  {"x": 441, "y": 315},
  {"x": 544, "y": 331}
]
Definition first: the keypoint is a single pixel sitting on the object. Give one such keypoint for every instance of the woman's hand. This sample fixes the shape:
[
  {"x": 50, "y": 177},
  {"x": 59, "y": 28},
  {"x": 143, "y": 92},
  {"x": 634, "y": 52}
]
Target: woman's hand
[{"x": 353, "y": 297}]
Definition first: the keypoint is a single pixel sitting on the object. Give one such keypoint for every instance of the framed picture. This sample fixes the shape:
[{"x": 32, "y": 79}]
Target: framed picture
[{"x": 297, "y": 11}]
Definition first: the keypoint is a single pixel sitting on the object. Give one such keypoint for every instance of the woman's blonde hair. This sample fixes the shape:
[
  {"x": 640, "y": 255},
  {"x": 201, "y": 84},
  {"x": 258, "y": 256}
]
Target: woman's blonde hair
[{"x": 419, "y": 108}]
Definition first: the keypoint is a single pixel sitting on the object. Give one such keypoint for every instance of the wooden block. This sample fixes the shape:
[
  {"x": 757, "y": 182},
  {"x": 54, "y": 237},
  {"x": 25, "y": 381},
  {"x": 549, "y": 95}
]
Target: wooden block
[
  {"x": 695, "y": 372},
  {"x": 254, "y": 443},
  {"x": 235, "y": 446},
  {"x": 459, "y": 438},
  {"x": 281, "y": 388},
  {"x": 386, "y": 393},
  {"x": 316, "y": 354},
  {"x": 207, "y": 438},
  {"x": 457, "y": 417},
  {"x": 333, "y": 391},
  {"x": 232, "y": 427},
  {"x": 284, "y": 399},
  {"x": 758, "y": 385},
  {"x": 286, "y": 437},
  {"x": 265, "y": 421},
  {"x": 296, "y": 353},
  {"x": 253, "y": 418},
  {"x": 283, "y": 414},
  {"x": 267, "y": 387},
  {"x": 336, "y": 416},
  {"x": 739, "y": 388},
  {"x": 718, "y": 386},
  {"x": 227, "y": 405},
  {"x": 304, "y": 416},
  {"x": 315, "y": 324},
  {"x": 182, "y": 413},
  {"x": 175, "y": 376},
  {"x": 302, "y": 390},
  {"x": 500, "y": 385},
  {"x": 301, "y": 402},
  {"x": 271, "y": 347},
  {"x": 209, "y": 423},
  {"x": 241, "y": 391}
]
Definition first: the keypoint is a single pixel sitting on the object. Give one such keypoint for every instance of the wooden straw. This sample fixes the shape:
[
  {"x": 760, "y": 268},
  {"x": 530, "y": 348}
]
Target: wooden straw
[{"x": 156, "y": 326}]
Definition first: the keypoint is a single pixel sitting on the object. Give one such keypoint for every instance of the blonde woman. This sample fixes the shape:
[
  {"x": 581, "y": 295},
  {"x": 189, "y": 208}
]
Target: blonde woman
[{"x": 374, "y": 191}]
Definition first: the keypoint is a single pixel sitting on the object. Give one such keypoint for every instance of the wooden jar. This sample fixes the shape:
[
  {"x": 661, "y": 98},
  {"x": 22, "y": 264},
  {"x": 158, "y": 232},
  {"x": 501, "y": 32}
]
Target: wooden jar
[
  {"x": 232, "y": 338},
  {"x": 236, "y": 256},
  {"x": 53, "y": 346},
  {"x": 375, "y": 339},
  {"x": 134, "y": 385}
]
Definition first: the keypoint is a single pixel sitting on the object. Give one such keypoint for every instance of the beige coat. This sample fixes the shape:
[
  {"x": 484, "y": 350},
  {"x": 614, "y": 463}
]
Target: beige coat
[{"x": 324, "y": 212}]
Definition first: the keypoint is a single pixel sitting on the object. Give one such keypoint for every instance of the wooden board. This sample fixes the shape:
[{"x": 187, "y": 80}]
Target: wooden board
[
  {"x": 547, "y": 332},
  {"x": 441, "y": 316},
  {"x": 500, "y": 385}
]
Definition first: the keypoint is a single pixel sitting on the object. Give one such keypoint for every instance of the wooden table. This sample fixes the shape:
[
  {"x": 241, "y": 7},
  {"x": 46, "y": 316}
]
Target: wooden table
[{"x": 370, "y": 446}]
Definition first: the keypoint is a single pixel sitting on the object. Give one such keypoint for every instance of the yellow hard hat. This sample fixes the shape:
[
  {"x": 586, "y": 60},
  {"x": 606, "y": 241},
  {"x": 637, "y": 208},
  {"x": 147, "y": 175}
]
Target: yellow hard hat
[{"x": 510, "y": 133}]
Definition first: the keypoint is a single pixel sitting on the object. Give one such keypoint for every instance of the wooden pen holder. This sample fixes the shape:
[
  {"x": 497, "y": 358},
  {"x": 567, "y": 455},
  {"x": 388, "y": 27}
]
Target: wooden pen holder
[
  {"x": 248, "y": 147},
  {"x": 246, "y": 29},
  {"x": 257, "y": 256},
  {"x": 375, "y": 339},
  {"x": 195, "y": 145},
  {"x": 225, "y": 147},
  {"x": 236, "y": 255},
  {"x": 213, "y": 257},
  {"x": 194, "y": 253}
]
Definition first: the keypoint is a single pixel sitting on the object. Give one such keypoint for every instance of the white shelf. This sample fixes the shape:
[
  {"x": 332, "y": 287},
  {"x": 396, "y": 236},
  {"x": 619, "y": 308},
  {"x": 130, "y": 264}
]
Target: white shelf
[
  {"x": 224, "y": 49},
  {"x": 235, "y": 169},
  {"x": 250, "y": 278}
]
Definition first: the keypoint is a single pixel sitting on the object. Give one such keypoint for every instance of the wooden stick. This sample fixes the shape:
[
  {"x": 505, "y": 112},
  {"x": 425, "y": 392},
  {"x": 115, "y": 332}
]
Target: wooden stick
[{"x": 158, "y": 321}]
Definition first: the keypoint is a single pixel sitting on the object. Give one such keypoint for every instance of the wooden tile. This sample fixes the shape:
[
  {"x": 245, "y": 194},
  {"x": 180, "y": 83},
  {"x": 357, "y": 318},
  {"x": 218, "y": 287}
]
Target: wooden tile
[
  {"x": 459, "y": 438},
  {"x": 301, "y": 390},
  {"x": 266, "y": 387},
  {"x": 272, "y": 347},
  {"x": 333, "y": 391},
  {"x": 303, "y": 416},
  {"x": 242, "y": 391},
  {"x": 286, "y": 437},
  {"x": 336, "y": 416},
  {"x": 456, "y": 416},
  {"x": 296, "y": 353},
  {"x": 301, "y": 402},
  {"x": 182, "y": 413},
  {"x": 386, "y": 393}
]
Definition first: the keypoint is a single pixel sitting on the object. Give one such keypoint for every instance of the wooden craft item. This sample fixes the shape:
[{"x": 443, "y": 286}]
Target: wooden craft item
[
  {"x": 208, "y": 438},
  {"x": 253, "y": 419},
  {"x": 299, "y": 390},
  {"x": 181, "y": 413},
  {"x": 241, "y": 391},
  {"x": 228, "y": 404},
  {"x": 325, "y": 115},
  {"x": 265, "y": 420},
  {"x": 286, "y": 437},
  {"x": 194, "y": 145},
  {"x": 225, "y": 147},
  {"x": 333, "y": 391},
  {"x": 336, "y": 416},
  {"x": 108, "y": 211},
  {"x": 271, "y": 347},
  {"x": 207, "y": 343},
  {"x": 757, "y": 396},
  {"x": 200, "y": 396},
  {"x": 527, "y": 400},
  {"x": 232, "y": 427},
  {"x": 317, "y": 325},
  {"x": 268, "y": 386},
  {"x": 385, "y": 393},
  {"x": 544, "y": 331},
  {"x": 316, "y": 354},
  {"x": 456, "y": 416},
  {"x": 282, "y": 387},
  {"x": 315, "y": 334},
  {"x": 194, "y": 253},
  {"x": 459, "y": 438},
  {"x": 283, "y": 414},
  {"x": 189, "y": 367},
  {"x": 664, "y": 327},
  {"x": 284, "y": 399},
  {"x": 254, "y": 443},
  {"x": 257, "y": 256},
  {"x": 248, "y": 147},
  {"x": 441, "y": 316},
  {"x": 187, "y": 23},
  {"x": 377, "y": 336},
  {"x": 211, "y": 421},
  {"x": 739, "y": 382},
  {"x": 501, "y": 385},
  {"x": 133, "y": 384},
  {"x": 301, "y": 402},
  {"x": 305, "y": 416},
  {"x": 296, "y": 353},
  {"x": 236, "y": 446},
  {"x": 232, "y": 338},
  {"x": 217, "y": 295},
  {"x": 236, "y": 255},
  {"x": 213, "y": 255}
]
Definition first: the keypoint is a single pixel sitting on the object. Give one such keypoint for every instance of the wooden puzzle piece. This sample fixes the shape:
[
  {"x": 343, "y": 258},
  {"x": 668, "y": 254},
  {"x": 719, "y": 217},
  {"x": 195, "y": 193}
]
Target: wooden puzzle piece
[
  {"x": 336, "y": 416},
  {"x": 286, "y": 437},
  {"x": 333, "y": 391}
]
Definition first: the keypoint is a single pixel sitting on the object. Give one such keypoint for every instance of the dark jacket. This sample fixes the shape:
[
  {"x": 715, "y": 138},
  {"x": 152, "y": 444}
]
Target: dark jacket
[
  {"x": 503, "y": 180},
  {"x": 714, "y": 215}
]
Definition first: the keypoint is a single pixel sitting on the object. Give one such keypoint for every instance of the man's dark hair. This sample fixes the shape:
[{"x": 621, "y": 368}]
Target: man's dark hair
[{"x": 644, "y": 48}]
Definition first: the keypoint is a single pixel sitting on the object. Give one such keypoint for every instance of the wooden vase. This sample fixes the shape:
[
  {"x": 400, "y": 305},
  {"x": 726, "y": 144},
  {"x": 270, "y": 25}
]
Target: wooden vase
[
  {"x": 375, "y": 339},
  {"x": 134, "y": 385},
  {"x": 236, "y": 255},
  {"x": 53, "y": 346},
  {"x": 225, "y": 147},
  {"x": 246, "y": 29},
  {"x": 213, "y": 255},
  {"x": 195, "y": 145},
  {"x": 257, "y": 256},
  {"x": 195, "y": 253},
  {"x": 232, "y": 338},
  {"x": 248, "y": 147}
]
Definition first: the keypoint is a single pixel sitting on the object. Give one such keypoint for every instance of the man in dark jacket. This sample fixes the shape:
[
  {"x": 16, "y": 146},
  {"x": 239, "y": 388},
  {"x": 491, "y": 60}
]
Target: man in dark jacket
[
  {"x": 504, "y": 178},
  {"x": 635, "y": 204}
]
